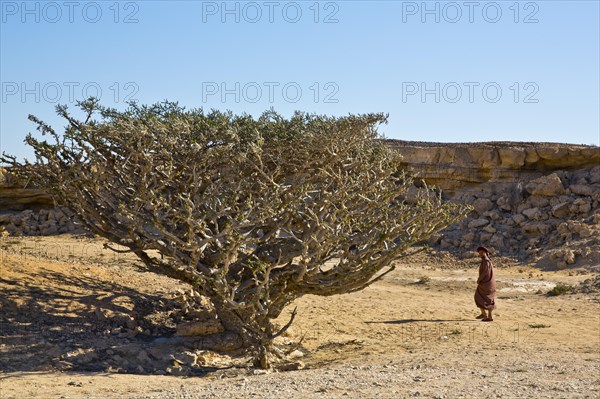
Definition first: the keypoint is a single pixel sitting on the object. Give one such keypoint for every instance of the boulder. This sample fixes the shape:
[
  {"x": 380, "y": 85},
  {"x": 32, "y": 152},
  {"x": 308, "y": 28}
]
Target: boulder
[
  {"x": 518, "y": 218},
  {"x": 585, "y": 231},
  {"x": 223, "y": 342},
  {"x": 489, "y": 229},
  {"x": 533, "y": 213},
  {"x": 582, "y": 205},
  {"x": 485, "y": 237},
  {"x": 585, "y": 208},
  {"x": 299, "y": 365},
  {"x": 482, "y": 205},
  {"x": 563, "y": 228},
  {"x": 474, "y": 224},
  {"x": 494, "y": 215},
  {"x": 595, "y": 175},
  {"x": 504, "y": 204},
  {"x": 561, "y": 210},
  {"x": 12, "y": 230},
  {"x": 539, "y": 201},
  {"x": 549, "y": 185},
  {"x": 497, "y": 241},
  {"x": 186, "y": 358},
  {"x": 535, "y": 229},
  {"x": 142, "y": 357},
  {"x": 213, "y": 359},
  {"x": 582, "y": 189},
  {"x": 6, "y": 218},
  {"x": 569, "y": 257},
  {"x": 48, "y": 230},
  {"x": 199, "y": 328},
  {"x": 469, "y": 237}
]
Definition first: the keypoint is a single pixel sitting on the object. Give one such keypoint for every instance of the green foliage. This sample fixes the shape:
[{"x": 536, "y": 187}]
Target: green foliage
[
  {"x": 560, "y": 289},
  {"x": 247, "y": 210}
]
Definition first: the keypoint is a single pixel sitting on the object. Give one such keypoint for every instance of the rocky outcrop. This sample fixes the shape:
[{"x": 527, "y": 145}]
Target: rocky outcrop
[
  {"x": 543, "y": 219},
  {"x": 534, "y": 201},
  {"x": 42, "y": 222},
  {"x": 31, "y": 211},
  {"x": 15, "y": 198},
  {"x": 457, "y": 166},
  {"x": 555, "y": 231}
]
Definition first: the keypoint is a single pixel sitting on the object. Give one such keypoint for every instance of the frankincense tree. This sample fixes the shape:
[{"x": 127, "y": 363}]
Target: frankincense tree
[{"x": 251, "y": 212}]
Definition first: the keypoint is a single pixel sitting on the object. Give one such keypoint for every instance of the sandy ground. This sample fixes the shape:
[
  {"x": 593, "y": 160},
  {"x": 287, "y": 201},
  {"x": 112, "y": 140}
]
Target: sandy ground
[{"x": 411, "y": 335}]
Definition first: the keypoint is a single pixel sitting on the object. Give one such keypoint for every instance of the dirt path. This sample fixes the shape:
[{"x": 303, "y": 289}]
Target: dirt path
[{"x": 411, "y": 335}]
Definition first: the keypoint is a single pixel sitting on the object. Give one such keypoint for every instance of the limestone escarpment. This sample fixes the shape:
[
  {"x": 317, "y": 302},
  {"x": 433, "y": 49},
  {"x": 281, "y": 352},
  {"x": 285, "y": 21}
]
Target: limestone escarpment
[
  {"x": 458, "y": 166},
  {"x": 553, "y": 219},
  {"x": 30, "y": 211},
  {"x": 534, "y": 201},
  {"x": 15, "y": 198}
]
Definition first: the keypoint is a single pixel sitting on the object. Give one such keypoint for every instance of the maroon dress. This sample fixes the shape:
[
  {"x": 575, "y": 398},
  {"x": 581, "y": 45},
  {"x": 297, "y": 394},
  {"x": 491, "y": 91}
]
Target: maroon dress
[{"x": 486, "y": 286}]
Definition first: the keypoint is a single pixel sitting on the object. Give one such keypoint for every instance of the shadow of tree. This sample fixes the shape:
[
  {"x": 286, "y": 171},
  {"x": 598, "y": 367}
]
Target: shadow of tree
[{"x": 51, "y": 320}]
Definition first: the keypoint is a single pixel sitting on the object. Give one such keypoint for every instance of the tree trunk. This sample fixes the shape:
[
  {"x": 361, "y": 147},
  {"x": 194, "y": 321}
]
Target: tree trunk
[
  {"x": 255, "y": 332},
  {"x": 262, "y": 358}
]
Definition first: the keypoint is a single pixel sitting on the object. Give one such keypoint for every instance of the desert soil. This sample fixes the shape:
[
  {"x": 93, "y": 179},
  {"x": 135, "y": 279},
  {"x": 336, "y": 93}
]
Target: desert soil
[{"x": 414, "y": 334}]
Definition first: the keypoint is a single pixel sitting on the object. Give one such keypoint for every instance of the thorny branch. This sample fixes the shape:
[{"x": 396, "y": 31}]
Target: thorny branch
[{"x": 253, "y": 213}]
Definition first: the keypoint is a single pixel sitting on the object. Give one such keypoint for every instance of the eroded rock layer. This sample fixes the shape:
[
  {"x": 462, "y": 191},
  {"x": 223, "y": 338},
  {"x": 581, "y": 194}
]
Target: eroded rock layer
[{"x": 534, "y": 201}]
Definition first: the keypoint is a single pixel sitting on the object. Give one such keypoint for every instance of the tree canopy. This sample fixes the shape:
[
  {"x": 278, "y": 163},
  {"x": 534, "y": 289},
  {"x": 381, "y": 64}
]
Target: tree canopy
[{"x": 252, "y": 212}]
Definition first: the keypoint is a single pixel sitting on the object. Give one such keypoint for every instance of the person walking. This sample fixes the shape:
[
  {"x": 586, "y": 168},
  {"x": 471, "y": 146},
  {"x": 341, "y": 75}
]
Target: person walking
[{"x": 486, "y": 286}]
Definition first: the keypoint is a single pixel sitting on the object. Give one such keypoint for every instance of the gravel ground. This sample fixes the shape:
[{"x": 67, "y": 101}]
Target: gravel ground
[{"x": 411, "y": 335}]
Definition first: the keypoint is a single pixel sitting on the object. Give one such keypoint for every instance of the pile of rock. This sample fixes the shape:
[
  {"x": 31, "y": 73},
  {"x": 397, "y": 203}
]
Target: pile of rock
[
  {"x": 42, "y": 222},
  {"x": 132, "y": 342},
  {"x": 118, "y": 339},
  {"x": 30, "y": 211},
  {"x": 554, "y": 218},
  {"x": 165, "y": 355}
]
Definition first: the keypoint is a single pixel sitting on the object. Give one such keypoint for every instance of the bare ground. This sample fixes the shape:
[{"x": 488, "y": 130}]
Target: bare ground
[{"x": 65, "y": 333}]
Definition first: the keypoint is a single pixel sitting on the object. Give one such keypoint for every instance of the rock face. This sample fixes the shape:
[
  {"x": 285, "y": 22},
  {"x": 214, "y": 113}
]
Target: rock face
[
  {"x": 456, "y": 166},
  {"x": 530, "y": 200},
  {"x": 31, "y": 211},
  {"x": 17, "y": 198},
  {"x": 38, "y": 222},
  {"x": 547, "y": 186}
]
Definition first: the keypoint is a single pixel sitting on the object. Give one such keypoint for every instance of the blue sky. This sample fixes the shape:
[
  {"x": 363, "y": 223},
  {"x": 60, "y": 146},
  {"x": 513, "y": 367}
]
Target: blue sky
[{"x": 444, "y": 71}]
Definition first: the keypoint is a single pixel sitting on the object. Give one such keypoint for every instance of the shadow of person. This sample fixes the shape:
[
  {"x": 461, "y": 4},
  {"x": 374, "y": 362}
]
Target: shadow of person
[{"x": 407, "y": 321}]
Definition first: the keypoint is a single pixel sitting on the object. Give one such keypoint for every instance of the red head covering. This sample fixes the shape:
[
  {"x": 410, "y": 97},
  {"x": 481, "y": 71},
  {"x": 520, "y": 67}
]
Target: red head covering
[{"x": 483, "y": 249}]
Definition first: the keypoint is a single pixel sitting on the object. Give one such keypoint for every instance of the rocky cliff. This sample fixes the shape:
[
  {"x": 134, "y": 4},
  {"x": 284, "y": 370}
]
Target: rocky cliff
[
  {"x": 15, "y": 198},
  {"x": 534, "y": 201},
  {"x": 31, "y": 211},
  {"x": 459, "y": 166}
]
